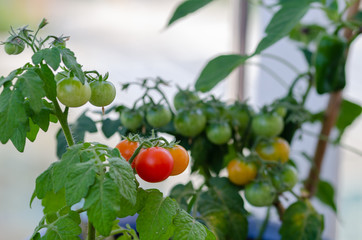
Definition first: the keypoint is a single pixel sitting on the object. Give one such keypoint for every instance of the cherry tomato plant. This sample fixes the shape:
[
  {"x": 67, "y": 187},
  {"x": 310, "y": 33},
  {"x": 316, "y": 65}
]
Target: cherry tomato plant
[
  {"x": 241, "y": 151},
  {"x": 89, "y": 177}
]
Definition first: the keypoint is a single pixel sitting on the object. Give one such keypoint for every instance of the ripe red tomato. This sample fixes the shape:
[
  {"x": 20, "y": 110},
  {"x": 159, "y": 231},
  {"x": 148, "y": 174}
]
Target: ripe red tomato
[
  {"x": 154, "y": 164},
  {"x": 127, "y": 148},
  {"x": 180, "y": 158}
]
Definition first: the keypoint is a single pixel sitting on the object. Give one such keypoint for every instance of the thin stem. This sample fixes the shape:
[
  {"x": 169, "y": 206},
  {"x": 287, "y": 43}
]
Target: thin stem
[
  {"x": 272, "y": 73},
  {"x": 264, "y": 225},
  {"x": 91, "y": 232},
  {"x": 280, "y": 209},
  {"x": 282, "y": 60},
  {"x": 307, "y": 92}
]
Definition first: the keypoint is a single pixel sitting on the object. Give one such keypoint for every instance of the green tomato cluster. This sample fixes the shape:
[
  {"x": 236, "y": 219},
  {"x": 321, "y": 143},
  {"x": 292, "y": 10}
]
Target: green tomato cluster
[{"x": 72, "y": 93}]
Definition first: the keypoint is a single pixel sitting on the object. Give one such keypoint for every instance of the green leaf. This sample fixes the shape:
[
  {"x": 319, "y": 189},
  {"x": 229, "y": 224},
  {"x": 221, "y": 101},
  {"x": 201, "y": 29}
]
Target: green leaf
[
  {"x": 50, "y": 86},
  {"x": 216, "y": 70},
  {"x": 12, "y": 113},
  {"x": 81, "y": 176},
  {"x": 64, "y": 228},
  {"x": 110, "y": 127},
  {"x": 186, "y": 227},
  {"x": 19, "y": 137},
  {"x": 306, "y": 33},
  {"x": 42, "y": 119},
  {"x": 61, "y": 143},
  {"x": 182, "y": 194},
  {"x": 301, "y": 222},
  {"x": 33, "y": 131},
  {"x": 82, "y": 125},
  {"x": 222, "y": 209},
  {"x": 331, "y": 9},
  {"x": 325, "y": 194},
  {"x": 128, "y": 209},
  {"x": 70, "y": 62},
  {"x": 63, "y": 167},
  {"x": 50, "y": 55},
  {"x": 31, "y": 87},
  {"x": 44, "y": 183},
  {"x": 122, "y": 174},
  {"x": 154, "y": 221},
  {"x": 11, "y": 76},
  {"x": 187, "y": 7},
  {"x": 102, "y": 204},
  {"x": 53, "y": 202},
  {"x": 349, "y": 112},
  {"x": 283, "y": 21}
]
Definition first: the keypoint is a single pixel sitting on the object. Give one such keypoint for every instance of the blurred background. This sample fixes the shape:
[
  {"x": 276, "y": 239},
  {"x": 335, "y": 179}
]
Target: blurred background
[{"x": 129, "y": 40}]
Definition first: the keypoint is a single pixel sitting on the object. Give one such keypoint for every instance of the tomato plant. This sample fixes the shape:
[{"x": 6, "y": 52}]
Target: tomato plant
[
  {"x": 72, "y": 93},
  {"x": 276, "y": 149},
  {"x": 241, "y": 172},
  {"x": 180, "y": 158},
  {"x": 154, "y": 164}
]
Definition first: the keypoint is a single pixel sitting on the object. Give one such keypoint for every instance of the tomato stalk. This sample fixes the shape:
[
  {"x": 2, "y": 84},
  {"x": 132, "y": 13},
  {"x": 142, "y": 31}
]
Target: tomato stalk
[
  {"x": 62, "y": 117},
  {"x": 264, "y": 225},
  {"x": 91, "y": 232}
]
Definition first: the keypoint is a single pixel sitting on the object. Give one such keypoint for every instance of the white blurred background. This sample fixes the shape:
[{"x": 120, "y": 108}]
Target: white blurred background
[{"x": 129, "y": 40}]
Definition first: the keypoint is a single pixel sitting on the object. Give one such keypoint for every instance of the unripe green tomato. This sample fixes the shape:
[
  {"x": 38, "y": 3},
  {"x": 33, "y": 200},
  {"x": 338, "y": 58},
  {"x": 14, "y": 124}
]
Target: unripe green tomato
[
  {"x": 189, "y": 123},
  {"x": 185, "y": 98},
  {"x": 158, "y": 116},
  {"x": 260, "y": 193},
  {"x": 286, "y": 179},
  {"x": 131, "y": 119},
  {"x": 267, "y": 125},
  {"x": 103, "y": 93},
  {"x": 10, "y": 48},
  {"x": 219, "y": 133},
  {"x": 72, "y": 93}
]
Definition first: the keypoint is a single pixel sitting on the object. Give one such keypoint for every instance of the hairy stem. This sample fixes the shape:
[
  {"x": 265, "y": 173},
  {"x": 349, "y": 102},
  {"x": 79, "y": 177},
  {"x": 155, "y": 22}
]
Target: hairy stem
[{"x": 62, "y": 117}]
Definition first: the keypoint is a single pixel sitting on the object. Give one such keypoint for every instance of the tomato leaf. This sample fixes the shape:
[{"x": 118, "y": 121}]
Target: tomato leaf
[
  {"x": 325, "y": 194},
  {"x": 222, "y": 209},
  {"x": 128, "y": 209},
  {"x": 102, "y": 204},
  {"x": 12, "y": 113},
  {"x": 122, "y": 174},
  {"x": 62, "y": 168},
  {"x": 31, "y": 87},
  {"x": 283, "y": 21},
  {"x": 19, "y": 137},
  {"x": 186, "y": 227},
  {"x": 11, "y": 76},
  {"x": 65, "y": 227},
  {"x": 216, "y": 70},
  {"x": 349, "y": 112},
  {"x": 50, "y": 86},
  {"x": 71, "y": 63},
  {"x": 300, "y": 222},
  {"x": 44, "y": 183},
  {"x": 33, "y": 131},
  {"x": 110, "y": 127},
  {"x": 187, "y": 7},
  {"x": 81, "y": 176},
  {"x": 42, "y": 119},
  {"x": 50, "y": 55},
  {"x": 154, "y": 221},
  {"x": 182, "y": 194},
  {"x": 53, "y": 202}
]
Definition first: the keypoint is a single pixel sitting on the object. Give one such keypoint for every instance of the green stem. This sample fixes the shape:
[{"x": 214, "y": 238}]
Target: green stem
[
  {"x": 264, "y": 225},
  {"x": 281, "y": 60},
  {"x": 91, "y": 232},
  {"x": 272, "y": 73},
  {"x": 134, "y": 155},
  {"x": 62, "y": 117}
]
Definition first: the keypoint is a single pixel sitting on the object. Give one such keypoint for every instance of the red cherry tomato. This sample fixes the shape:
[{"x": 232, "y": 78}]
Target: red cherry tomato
[{"x": 154, "y": 164}]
